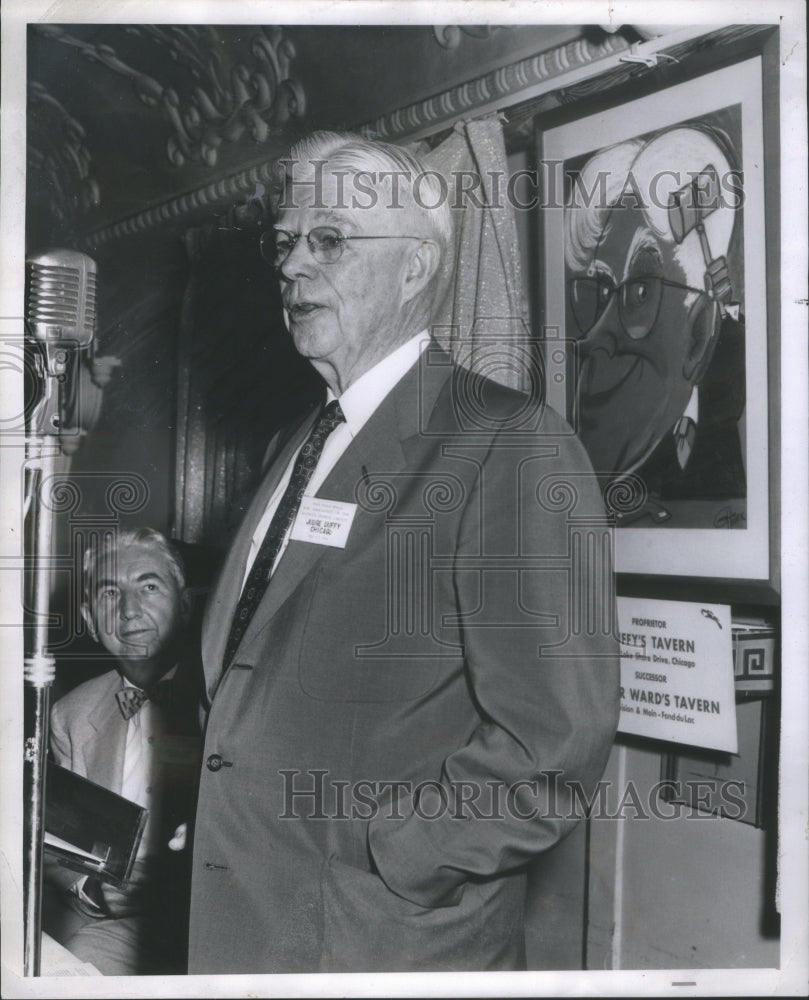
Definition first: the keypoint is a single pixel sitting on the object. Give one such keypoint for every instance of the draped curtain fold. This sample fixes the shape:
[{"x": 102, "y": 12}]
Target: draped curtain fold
[{"x": 481, "y": 316}]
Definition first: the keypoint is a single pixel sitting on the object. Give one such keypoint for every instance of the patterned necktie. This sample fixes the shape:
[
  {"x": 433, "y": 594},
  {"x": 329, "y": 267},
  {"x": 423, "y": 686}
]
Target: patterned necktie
[
  {"x": 131, "y": 699},
  {"x": 259, "y": 576}
]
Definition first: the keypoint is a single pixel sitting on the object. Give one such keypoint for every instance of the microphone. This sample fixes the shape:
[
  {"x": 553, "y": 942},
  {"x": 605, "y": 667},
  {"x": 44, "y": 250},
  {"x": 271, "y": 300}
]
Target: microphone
[
  {"x": 61, "y": 303},
  {"x": 60, "y": 319}
]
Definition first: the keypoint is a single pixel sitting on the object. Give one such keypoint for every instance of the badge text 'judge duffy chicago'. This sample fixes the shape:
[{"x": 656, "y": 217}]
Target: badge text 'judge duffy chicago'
[{"x": 438, "y": 646}]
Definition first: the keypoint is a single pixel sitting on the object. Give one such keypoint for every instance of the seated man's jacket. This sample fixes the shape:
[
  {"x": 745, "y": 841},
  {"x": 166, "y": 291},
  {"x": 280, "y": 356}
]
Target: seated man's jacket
[{"x": 88, "y": 735}]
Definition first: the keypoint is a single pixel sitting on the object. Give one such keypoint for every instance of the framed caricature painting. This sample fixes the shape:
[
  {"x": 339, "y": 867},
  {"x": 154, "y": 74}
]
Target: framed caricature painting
[{"x": 654, "y": 278}]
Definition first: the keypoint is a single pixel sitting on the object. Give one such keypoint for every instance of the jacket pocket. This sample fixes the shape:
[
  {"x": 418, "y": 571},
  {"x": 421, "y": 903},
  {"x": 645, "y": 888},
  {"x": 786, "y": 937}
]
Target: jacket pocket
[{"x": 368, "y": 928}]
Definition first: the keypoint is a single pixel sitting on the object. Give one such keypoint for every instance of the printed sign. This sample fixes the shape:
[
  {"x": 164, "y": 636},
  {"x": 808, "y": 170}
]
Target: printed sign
[{"x": 677, "y": 672}]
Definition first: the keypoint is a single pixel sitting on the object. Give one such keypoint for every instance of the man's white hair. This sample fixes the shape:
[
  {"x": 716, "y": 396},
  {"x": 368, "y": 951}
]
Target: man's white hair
[
  {"x": 100, "y": 550},
  {"x": 656, "y": 169},
  {"x": 421, "y": 190}
]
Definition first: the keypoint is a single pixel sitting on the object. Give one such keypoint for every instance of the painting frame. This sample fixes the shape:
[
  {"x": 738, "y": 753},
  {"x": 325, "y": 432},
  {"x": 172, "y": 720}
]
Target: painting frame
[{"x": 746, "y": 554}]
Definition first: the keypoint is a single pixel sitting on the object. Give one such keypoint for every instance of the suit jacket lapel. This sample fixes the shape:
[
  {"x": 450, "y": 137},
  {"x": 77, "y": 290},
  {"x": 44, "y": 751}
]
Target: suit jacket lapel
[
  {"x": 225, "y": 596},
  {"x": 105, "y": 745},
  {"x": 377, "y": 448}
]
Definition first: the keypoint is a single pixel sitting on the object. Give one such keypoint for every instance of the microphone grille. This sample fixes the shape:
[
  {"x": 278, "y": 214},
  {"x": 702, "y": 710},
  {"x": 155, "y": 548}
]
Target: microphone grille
[{"x": 61, "y": 296}]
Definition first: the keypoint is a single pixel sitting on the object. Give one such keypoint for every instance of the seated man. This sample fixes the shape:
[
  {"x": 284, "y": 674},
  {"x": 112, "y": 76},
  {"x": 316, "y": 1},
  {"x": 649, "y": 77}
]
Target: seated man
[{"x": 133, "y": 730}]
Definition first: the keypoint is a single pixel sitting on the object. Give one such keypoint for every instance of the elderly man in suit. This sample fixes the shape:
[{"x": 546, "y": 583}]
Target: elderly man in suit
[
  {"x": 403, "y": 695},
  {"x": 134, "y": 730}
]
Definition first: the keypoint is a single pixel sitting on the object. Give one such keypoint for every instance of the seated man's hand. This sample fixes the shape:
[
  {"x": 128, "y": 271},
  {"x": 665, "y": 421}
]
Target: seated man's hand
[
  {"x": 177, "y": 842},
  {"x": 90, "y": 890}
]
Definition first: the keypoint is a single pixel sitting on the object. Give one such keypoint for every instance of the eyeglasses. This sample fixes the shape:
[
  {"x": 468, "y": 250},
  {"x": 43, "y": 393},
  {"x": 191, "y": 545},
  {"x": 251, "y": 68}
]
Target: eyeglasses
[
  {"x": 638, "y": 301},
  {"x": 326, "y": 244}
]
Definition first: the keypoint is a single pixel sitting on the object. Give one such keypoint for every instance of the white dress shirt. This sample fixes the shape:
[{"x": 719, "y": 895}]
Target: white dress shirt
[
  {"x": 358, "y": 403},
  {"x": 691, "y": 412}
]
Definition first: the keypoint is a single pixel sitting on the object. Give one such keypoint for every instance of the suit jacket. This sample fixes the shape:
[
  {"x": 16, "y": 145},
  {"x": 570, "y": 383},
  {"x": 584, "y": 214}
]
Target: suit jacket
[
  {"x": 441, "y": 652},
  {"x": 88, "y": 736}
]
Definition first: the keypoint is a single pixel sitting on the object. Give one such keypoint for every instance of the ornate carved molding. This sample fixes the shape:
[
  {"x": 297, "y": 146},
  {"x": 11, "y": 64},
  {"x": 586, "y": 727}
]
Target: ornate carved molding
[
  {"x": 241, "y": 195},
  {"x": 248, "y": 187},
  {"x": 494, "y": 88},
  {"x": 448, "y": 36},
  {"x": 521, "y": 118},
  {"x": 223, "y": 103},
  {"x": 59, "y": 158}
]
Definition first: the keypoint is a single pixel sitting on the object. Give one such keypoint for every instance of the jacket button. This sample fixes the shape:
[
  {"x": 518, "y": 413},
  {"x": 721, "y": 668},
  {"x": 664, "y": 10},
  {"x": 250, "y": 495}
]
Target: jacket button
[{"x": 214, "y": 762}]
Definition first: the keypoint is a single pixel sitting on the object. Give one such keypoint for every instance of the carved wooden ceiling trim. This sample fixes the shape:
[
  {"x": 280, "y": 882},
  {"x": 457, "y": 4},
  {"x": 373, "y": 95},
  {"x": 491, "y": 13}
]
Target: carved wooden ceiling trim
[
  {"x": 449, "y": 36},
  {"x": 241, "y": 196},
  {"x": 58, "y": 156},
  {"x": 497, "y": 88},
  {"x": 246, "y": 188},
  {"x": 185, "y": 105},
  {"x": 224, "y": 104}
]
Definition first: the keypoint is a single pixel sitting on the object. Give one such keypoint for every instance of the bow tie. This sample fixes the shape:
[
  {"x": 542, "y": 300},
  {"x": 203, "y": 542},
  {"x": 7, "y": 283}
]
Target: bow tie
[{"x": 130, "y": 699}]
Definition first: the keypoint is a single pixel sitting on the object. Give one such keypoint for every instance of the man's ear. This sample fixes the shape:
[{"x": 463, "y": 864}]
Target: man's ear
[
  {"x": 87, "y": 615},
  {"x": 420, "y": 267},
  {"x": 704, "y": 321}
]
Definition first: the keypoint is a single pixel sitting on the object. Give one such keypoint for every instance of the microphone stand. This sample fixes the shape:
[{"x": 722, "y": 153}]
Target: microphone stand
[
  {"x": 42, "y": 450},
  {"x": 39, "y": 673},
  {"x": 60, "y": 319}
]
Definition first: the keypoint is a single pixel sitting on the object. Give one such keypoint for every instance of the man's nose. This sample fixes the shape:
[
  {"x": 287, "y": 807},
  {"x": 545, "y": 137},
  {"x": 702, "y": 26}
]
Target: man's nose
[
  {"x": 128, "y": 606},
  {"x": 299, "y": 262}
]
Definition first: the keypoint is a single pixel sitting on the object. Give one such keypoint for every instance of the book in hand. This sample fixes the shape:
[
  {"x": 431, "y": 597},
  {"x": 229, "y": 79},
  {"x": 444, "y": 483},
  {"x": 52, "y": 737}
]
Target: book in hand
[{"x": 90, "y": 829}]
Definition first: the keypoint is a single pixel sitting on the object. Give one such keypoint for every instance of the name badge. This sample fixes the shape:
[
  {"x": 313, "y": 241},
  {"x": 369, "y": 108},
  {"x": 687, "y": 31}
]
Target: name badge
[{"x": 324, "y": 522}]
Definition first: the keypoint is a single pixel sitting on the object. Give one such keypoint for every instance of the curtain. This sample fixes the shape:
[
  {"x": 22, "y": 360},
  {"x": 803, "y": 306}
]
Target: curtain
[{"x": 481, "y": 316}]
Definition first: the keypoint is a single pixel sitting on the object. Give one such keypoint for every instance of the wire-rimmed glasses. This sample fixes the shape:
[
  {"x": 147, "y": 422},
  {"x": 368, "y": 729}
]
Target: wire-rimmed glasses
[{"x": 326, "y": 243}]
